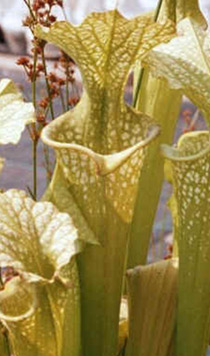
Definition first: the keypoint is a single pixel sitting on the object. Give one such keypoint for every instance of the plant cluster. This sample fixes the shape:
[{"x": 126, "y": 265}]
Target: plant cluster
[{"x": 73, "y": 274}]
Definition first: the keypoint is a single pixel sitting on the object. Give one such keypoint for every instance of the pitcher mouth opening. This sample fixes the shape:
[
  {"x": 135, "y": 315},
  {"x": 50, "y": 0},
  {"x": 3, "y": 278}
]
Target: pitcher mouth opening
[
  {"x": 113, "y": 161},
  {"x": 180, "y": 154}
]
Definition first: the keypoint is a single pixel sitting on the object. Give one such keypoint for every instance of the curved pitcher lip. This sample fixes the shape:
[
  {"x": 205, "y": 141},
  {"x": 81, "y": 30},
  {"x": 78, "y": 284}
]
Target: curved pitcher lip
[
  {"x": 171, "y": 153},
  {"x": 105, "y": 163}
]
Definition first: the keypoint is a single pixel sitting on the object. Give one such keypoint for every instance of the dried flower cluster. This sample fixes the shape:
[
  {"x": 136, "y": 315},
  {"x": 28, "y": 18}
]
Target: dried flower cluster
[
  {"x": 58, "y": 81},
  {"x": 27, "y": 64},
  {"x": 41, "y": 12},
  {"x": 191, "y": 120}
]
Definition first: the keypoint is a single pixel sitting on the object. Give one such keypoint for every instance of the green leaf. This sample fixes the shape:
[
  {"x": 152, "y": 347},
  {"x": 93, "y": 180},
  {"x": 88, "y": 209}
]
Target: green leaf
[
  {"x": 152, "y": 295},
  {"x": 164, "y": 106},
  {"x": 189, "y": 8},
  {"x": 100, "y": 148},
  {"x": 14, "y": 112},
  {"x": 185, "y": 62},
  {"x": 190, "y": 165},
  {"x": 39, "y": 295},
  {"x": 177, "y": 10}
]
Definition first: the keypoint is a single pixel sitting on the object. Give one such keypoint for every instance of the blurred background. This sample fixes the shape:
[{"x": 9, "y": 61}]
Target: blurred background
[
  {"x": 15, "y": 41},
  {"x": 14, "y": 37}
]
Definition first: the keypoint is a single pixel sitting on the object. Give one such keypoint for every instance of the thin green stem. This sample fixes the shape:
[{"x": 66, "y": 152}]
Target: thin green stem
[
  {"x": 47, "y": 155},
  {"x": 157, "y": 12},
  {"x": 47, "y": 163},
  {"x": 30, "y": 10},
  {"x": 35, "y": 168},
  {"x": 138, "y": 87},
  {"x": 34, "y": 79},
  {"x": 62, "y": 101},
  {"x": 34, "y": 148},
  {"x": 30, "y": 192},
  {"x": 47, "y": 84},
  {"x": 141, "y": 74},
  {"x": 64, "y": 14}
]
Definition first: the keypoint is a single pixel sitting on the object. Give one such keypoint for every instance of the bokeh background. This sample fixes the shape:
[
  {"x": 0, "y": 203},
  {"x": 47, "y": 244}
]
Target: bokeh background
[{"x": 13, "y": 11}]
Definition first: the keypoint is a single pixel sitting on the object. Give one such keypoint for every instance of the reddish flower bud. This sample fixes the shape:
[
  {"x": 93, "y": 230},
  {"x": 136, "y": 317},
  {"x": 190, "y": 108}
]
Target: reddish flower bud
[
  {"x": 23, "y": 61},
  {"x": 60, "y": 3},
  {"x": 40, "y": 67},
  {"x": 73, "y": 101},
  {"x": 52, "y": 77},
  {"x": 44, "y": 103},
  {"x": 41, "y": 118},
  {"x": 52, "y": 18}
]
